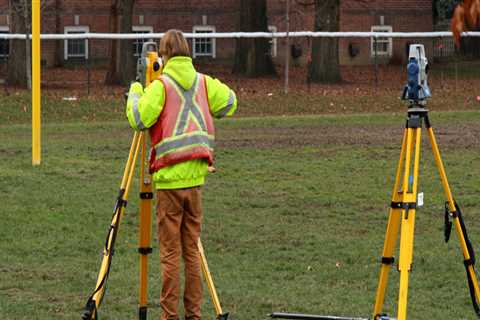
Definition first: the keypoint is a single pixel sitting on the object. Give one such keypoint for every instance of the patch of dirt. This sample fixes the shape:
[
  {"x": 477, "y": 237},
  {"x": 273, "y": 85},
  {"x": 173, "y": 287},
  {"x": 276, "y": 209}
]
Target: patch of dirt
[{"x": 448, "y": 136}]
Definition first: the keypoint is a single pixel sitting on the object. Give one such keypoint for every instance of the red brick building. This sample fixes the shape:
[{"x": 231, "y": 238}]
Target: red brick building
[
  {"x": 383, "y": 16},
  {"x": 78, "y": 16}
]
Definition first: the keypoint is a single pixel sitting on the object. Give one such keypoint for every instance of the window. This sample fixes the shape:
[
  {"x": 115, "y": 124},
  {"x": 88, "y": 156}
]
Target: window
[
  {"x": 76, "y": 48},
  {"x": 273, "y": 42},
  {"x": 384, "y": 45},
  {"x": 4, "y": 43},
  {"x": 138, "y": 43},
  {"x": 203, "y": 46}
]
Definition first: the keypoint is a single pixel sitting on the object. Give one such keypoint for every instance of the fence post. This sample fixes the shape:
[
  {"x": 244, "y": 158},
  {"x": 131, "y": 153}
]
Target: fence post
[
  {"x": 88, "y": 70},
  {"x": 376, "y": 61},
  {"x": 287, "y": 49}
]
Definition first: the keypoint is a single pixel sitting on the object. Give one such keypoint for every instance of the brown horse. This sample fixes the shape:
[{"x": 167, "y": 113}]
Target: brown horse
[{"x": 466, "y": 17}]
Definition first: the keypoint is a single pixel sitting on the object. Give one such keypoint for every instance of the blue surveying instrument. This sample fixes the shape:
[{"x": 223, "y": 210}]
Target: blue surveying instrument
[
  {"x": 417, "y": 90},
  {"x": 406, "y": 200}
]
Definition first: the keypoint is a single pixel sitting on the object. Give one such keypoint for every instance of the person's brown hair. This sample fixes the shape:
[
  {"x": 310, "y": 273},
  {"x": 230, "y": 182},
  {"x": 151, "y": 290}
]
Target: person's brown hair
[{"x": 174, "y": 44}]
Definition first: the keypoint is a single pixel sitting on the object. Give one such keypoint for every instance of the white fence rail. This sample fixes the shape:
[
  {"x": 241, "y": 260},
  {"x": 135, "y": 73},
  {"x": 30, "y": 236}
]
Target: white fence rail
[{"x": 226, "y": 35}]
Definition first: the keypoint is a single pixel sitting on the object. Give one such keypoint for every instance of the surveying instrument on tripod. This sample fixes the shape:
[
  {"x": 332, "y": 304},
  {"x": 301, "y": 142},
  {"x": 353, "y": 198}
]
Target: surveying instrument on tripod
[
  {"x": 149, "y": 68},
  {"x": 406, "y": 199}
]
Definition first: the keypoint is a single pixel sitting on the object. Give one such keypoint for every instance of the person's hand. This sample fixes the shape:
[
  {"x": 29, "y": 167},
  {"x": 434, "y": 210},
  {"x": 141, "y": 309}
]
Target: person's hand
[
  {"x": 211, "y": 169},
  {"x": 136, "y": 83},
  {"x": 135, "y": 87}
]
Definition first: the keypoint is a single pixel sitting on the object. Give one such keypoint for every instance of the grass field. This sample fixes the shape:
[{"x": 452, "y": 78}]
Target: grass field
[{"x": 294, "y": 218}]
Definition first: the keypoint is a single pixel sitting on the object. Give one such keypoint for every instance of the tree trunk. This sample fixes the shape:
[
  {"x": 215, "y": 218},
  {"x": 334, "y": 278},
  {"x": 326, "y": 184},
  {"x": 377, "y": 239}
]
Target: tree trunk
[
  {"x": 17, "y": 69},
  {"x": 122, "y": 64},
  {"x": 126, "y": 64},
  {"x": 324, "y": 65},
  {"x": 113, "y": 25},
  {"x": 252, "y": 56},
  {"x": 28, "y": 44},
  {"x": 59, "y": 51}
]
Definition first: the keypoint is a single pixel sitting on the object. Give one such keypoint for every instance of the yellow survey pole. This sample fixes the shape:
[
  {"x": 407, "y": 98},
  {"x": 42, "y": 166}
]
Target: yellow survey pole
[{"x": 36, "y": 139}]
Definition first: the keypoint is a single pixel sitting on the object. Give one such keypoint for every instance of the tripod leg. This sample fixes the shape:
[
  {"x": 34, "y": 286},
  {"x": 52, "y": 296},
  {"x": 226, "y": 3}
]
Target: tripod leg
[
  {"x": 391, "y": 235},
  {"x": 211, "y": 285},
  {"x": 467, "y": 250},
  {"x": 90, "y": 312},
  {"x": 441, "y": 169},
  {"x": 408, "y": 218},
  {"x": 145, "y": 232}
]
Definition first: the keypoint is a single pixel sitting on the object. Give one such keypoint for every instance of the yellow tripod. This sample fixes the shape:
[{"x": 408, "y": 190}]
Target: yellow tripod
[
  {"x": 91, "y": 309},
  {"x": 149, "y": 72},
  {"x": 402, "y": 216}
]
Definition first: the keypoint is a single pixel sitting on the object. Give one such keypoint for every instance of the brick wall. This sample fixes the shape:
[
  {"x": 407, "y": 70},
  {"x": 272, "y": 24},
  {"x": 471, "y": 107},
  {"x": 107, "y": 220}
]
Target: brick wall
[
  {"x": 400, "y": 15},
  {"x": 161, "y": 15}
]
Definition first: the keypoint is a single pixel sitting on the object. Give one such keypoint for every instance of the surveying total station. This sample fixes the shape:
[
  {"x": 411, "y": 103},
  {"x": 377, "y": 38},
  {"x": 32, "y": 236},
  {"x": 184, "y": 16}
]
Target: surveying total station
[
  {"x": 405, "y": 200},
  {"x": 149, "y": 65},
  {"x": 149, "y": 68}
]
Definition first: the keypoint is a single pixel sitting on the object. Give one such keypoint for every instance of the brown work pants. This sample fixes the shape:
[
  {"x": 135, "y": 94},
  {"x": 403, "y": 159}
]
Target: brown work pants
[{"x": 179, "y": 218}]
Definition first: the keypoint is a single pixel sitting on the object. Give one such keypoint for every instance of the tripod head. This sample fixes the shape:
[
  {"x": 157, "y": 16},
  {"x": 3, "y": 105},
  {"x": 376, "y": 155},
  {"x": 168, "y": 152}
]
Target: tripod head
[
  {"x": 149, "y": 65},
  {"x": 417, "y": 91}
]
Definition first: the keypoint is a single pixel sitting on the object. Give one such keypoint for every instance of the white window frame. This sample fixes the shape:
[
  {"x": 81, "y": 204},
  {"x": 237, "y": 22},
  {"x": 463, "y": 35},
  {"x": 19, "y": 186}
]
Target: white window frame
[
  {"x": 214, "y": 51},
  {"x": 142, "y": 29},
  {"x": 7, "y": 29},
  {"x": 388, "y": 41},
  {"x": 68, "y": 29},
  {"x": 273, "y": 42}
]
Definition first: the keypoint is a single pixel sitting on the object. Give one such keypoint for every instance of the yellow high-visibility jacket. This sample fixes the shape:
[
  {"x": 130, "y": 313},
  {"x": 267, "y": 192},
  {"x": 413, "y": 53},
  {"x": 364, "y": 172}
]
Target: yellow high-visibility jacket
[{"x": 150, "y": 103}]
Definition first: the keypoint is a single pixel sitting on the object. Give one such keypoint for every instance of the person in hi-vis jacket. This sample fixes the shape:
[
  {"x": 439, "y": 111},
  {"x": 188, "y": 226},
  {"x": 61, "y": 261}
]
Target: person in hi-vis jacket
[{"x": 178, "y": 111}]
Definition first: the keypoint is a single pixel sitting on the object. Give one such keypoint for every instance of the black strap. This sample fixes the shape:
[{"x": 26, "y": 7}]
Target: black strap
[
  {"x": 145, "y": 251},
  {"x": 403, "y": 205},
  {"x": 120, "y": 203},
  {"x": 407, "y": 206},
  {"x": 146, "y": 195},
  {"x": 388, "y": 260},
  {"x": 90, "y": 309},
  {"x": 142, "y": 313},
  {"x": 223, "y": 316},
  {"x": 447, "y": 228},
  {"x": 468, "y": 263}
]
